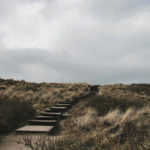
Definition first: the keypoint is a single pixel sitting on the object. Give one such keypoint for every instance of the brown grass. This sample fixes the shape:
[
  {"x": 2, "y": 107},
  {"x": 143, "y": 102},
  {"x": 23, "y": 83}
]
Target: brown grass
[
  {"x": 117, "y": 119},
  {"x": 15, "y": 94},
  {"x": 114, "y": 131}
]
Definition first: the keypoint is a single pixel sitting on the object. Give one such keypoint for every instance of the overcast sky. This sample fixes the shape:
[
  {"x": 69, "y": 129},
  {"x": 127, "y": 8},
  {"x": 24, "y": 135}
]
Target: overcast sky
[{"x": 94, "y": 41}]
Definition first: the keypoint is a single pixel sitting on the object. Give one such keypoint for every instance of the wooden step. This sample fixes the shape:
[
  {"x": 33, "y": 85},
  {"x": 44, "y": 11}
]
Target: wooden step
[
  {"x": 56, "y": 109},
  {"x": 59, "y": 114},
  {"x": 63, "y": 105},
  {"x": 35, "y": 129},
  {"x": 66, "y": 115},
  {"x": 66, "y": 102},
  {"x": 40, "y": 117},
  {"x": 42, "y": 122}
]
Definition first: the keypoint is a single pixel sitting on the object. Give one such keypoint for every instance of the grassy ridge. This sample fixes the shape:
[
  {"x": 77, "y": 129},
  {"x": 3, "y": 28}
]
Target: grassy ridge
[
  {"x": 116, "y": 119},
  {"x": 19, "y": 99}
]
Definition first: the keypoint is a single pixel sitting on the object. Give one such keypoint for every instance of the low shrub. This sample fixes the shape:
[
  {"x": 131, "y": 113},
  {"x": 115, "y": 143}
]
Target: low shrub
[
  {"x": 13, "y": 112},
  {"x": 104, "y": 104}
]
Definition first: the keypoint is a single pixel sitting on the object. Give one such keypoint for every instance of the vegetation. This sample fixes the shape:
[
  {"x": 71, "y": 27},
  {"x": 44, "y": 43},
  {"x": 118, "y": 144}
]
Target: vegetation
[
  {"x": 117, "y": 118},
  {"x": 12, "y": 113},
  {"x": 20, "y": 100}
]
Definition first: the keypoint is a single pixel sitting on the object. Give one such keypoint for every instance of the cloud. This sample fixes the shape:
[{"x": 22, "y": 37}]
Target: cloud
[
  {"x": 45, "y": 66},
  {"x": 75, "y": 41}
]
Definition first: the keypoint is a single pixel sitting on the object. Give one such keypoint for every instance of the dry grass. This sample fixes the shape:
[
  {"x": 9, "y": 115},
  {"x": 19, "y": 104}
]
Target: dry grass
[
  {"x": 14, "y": 94},
  {"x": 40, "y": 95},
  {"x": 117, "y": 119},
  {"x": 114, "y": 131}
]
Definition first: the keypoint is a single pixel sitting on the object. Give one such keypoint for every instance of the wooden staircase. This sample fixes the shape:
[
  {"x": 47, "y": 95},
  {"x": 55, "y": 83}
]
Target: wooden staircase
[{"x": 48, "y": 120}]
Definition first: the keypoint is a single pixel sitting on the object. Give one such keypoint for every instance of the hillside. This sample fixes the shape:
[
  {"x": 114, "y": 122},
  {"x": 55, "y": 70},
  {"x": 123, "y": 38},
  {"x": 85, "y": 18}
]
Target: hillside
[
  {"x": 20, "y": 100},
  {"x": 117, "y": 118}
]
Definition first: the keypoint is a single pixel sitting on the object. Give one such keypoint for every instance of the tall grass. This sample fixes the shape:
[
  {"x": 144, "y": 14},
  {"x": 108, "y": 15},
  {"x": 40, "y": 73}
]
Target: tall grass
[
  {"x": 19, "y": 100},
  {"x": 114, "y": 131},
  {"x": 101, "y": 123}
]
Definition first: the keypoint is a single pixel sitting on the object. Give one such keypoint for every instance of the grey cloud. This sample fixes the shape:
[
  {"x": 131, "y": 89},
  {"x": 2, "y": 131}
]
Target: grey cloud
[
  {"x": 116, "y": 10},
  {"x": 45, "y": 66},
  {"x": 76, "y": 41}
]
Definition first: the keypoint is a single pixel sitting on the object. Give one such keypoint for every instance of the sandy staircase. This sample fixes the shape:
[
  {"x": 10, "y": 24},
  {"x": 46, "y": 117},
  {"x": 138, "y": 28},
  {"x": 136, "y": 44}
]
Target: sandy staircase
[{"x": 47, "y": 121}]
